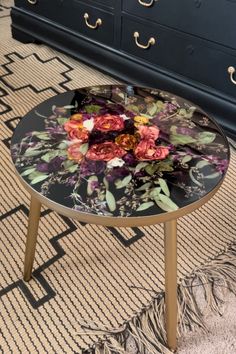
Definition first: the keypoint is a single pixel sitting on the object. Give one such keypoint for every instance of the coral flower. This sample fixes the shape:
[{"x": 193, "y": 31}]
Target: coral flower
[
  {"x": 105, "y": 151},
  {"x": 147, "y": 150},
  {"x": 72, "y": 124},
  {"x": 148, "y": 133},
  {"x": 74, "y": 152},
  {"x": 126, "y": 141},
  {"x": 79, "y": 134},
  {"x": 108, "y": 122}
]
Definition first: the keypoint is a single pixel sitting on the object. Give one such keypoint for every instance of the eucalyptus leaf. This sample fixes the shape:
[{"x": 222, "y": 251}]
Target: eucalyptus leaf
[
  {"x": 39, "y": 179},
  {"x": 124, "y": 182},
  {"x": 68, "y": 163},
  {"x": 206, "y": 137},
  {"x": 202, "y": 163},
  {"x": 93, "y": 108},
  {"x": 91, "y": 179},
  {"x": 42, "y": 135},
  {"x": 140, "y": 166},
  {"x": 32, "y": 152},
  {"x": 50, "y": 155},
  {"x": 164, "y": 186},
  {"x": 111, "y": 202},
  {"x": 72, "y": 168},
  {"x": 186, "y": 159},
  {"x": 62, "y": 146},
  {"x": 181, "y": 139},
  {"x": 145, "y": 206},
  {"x": 155, "y": 192},
  {"x": 106, "y": 183},
  {"x": 83, "y": 148},
  {"x": 194, "y": 179},
  {"x": 61, "y": 120},
  {"x": 213, "y": 175},
  {"x": 144, "y": 187},
  {"x": 151, "y": 169},
  {"x": 165, "y": 203},
  {"x": 28, "y": 171},
  {"x": 151, "y": 109}
]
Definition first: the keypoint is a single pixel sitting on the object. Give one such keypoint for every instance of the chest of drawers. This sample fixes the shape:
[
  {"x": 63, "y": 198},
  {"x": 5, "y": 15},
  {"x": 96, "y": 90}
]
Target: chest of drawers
[{"x": 187, "y": 46}]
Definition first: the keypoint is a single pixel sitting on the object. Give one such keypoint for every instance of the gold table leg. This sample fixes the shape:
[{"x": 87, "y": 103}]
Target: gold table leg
[
  {"x": 171, "y": 283},
  {"x": 32, "y": 233}
]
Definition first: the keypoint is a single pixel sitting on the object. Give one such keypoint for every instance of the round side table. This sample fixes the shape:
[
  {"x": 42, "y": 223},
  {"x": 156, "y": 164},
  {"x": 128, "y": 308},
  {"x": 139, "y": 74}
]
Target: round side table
[{"x": 120, "y": 156}]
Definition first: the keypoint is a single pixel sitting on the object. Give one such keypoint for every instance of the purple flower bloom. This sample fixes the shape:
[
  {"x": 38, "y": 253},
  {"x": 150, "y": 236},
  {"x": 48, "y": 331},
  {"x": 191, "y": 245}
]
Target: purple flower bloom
[
  {"x": 89, "y": 167},
  {"x": 129, "y": 159},
  {"x": 117, "y": 172},
  {"x": 52, "y": 166}
]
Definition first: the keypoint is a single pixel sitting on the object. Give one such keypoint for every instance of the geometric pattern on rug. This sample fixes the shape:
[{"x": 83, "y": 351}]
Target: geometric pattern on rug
[{"x": 82, "y": 272}]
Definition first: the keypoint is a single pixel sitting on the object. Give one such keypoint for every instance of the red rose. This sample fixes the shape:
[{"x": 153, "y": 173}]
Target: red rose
[
  {"x": 147, "y": 150},
  {"x": 108, "y": 122},
  {"x": 148, "y": 133},
  {"x": 105, "y": 151}
]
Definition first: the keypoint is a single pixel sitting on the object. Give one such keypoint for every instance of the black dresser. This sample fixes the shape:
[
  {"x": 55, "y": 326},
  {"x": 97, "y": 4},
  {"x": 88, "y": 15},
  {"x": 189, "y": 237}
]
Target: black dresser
[{"x": 187, "y": 47}]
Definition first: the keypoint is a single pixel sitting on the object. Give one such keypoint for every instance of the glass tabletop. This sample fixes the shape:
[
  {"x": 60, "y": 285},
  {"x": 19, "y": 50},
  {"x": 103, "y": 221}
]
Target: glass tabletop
[{"x": 121, "y": 151}]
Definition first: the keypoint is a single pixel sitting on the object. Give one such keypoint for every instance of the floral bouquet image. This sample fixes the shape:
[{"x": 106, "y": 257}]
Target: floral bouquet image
[{"x": 122, "y": 151}]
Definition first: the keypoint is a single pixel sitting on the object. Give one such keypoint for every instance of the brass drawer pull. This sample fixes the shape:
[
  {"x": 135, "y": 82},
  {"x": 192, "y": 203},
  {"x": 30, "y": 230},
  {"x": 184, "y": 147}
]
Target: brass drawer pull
[
  {"x": 146, "y": 4},
  {"x": 33, "y": 2},
  {"x": 231, "y": 71},
  {"x": 97, "y": 24},
  {"x": 151, "y": 41}
]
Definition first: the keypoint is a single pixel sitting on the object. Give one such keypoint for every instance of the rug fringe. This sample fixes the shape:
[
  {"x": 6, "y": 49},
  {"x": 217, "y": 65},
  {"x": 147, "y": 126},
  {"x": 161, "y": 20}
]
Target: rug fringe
[{"x": 147, "y": 328}]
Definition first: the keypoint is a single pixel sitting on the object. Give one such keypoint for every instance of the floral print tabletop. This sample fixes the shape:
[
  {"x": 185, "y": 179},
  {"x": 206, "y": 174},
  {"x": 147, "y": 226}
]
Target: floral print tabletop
[{"x": 120, "y": 151}]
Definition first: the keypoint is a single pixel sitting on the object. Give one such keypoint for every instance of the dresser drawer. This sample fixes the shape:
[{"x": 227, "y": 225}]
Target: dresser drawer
[
  {"x": 91, "y": 22},
  {"x": 108, "y": 3},
  {"x": 53, "y": 10},
  {"x": 212, "y": 19},
  {"x": 184, "y": 54}
]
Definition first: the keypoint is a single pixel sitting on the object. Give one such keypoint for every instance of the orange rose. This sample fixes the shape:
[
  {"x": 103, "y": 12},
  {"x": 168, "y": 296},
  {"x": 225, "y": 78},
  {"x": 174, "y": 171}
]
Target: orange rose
[
  {"x": 148, "y": 133},
  {"x": 108, "y": 122},
  {"x": 147, "y": 150},
  {"x": 77, "y": 116},
  {"x": 72, "y": 124},
  {"x": 80, "y": 134},
  {"x": 105, "y": 151},
  {"x": 74, "y": 152},
  {"x": 126, "y": 141},
  {"x": 140, "y": 120}
]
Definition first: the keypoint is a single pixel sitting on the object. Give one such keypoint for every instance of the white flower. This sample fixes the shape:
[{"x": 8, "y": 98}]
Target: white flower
[
  {"x": 89, "y": 124},
  {"x": 124, "y": 116},
  {"x": 116, "y": 162}
]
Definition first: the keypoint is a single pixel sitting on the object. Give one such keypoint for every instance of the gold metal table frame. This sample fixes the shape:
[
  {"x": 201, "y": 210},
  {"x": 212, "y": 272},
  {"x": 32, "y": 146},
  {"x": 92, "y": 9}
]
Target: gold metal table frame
[{"x": 170, "y": 243}]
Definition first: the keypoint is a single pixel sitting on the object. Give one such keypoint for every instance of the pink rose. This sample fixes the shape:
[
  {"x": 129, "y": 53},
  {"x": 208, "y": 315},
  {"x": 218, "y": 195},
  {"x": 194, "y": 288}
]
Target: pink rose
[
  {"x": 148, "y": 133},
  {"x": 79, "y": 134},
  {"x": 108, "y": 122},
  {"x": 72, "y": 124},
  {"x": 105, "y": 151},
  {"x": 147, "y": 150},
  {"x": 74, "y": 152}
]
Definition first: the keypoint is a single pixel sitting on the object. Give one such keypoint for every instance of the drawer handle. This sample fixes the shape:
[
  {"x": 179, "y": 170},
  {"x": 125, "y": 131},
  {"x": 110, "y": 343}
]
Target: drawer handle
[
  {"x": 231, "y": 71},
  {"x": 146, "y": 4},
  {"x": 33, "y": 2},
  {"x": 97, "y": 24},
  {"x": 151, "y": 41}
]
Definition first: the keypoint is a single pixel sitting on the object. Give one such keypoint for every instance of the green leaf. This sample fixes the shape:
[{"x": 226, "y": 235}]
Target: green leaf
[
  {"x": 67, "y": 164},
  {"x": 30, "y": 152},
  {"x": 144, "y": 187},
  {"x": 93, "y": 108},
  {"x": 123, "y": 183},
  {"x": 62, "y": 146},
  {"x": 106, "y": 184},
  {"x": 39, "y": 179},
  {"x": 132, "y": 108},
  {"x": 140, "y": 166},
  {"x": 151, "y": 109},
  {"x": 28, "y": 171},
  {"x": 155, "y": 192},
  {"x": 69, "y": 106},
  {"x": 42, "y": 135},
  {"x": 181, "y": 139},
  {"x": 151, "y": 169},
  {"x": 206, "y": 137},
  {"x": 164, "y": 166},
  {"x": 50, "y": 155},
  {"x": 84, "y": 148},
  {"x": 72, "y": 168},
  {"x": 213, "y": 175},
  {"x": 164, "y": 186},
  {"x": 145, "y": 206},
  {"x": 194, "y": 179},
  {"x": 203, "y": 163},
  {"x": 186, "y": 159},
  {"x": 91, "y": 179},
  {"x": 111, "y": 202},
  {"x": 62, "y": 121},
  {"x": 165, "y": 203}
]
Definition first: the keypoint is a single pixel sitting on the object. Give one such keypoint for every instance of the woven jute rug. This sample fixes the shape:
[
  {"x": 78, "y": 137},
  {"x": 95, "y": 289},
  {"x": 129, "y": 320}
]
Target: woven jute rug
[{"x": 90, "y": 292}]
